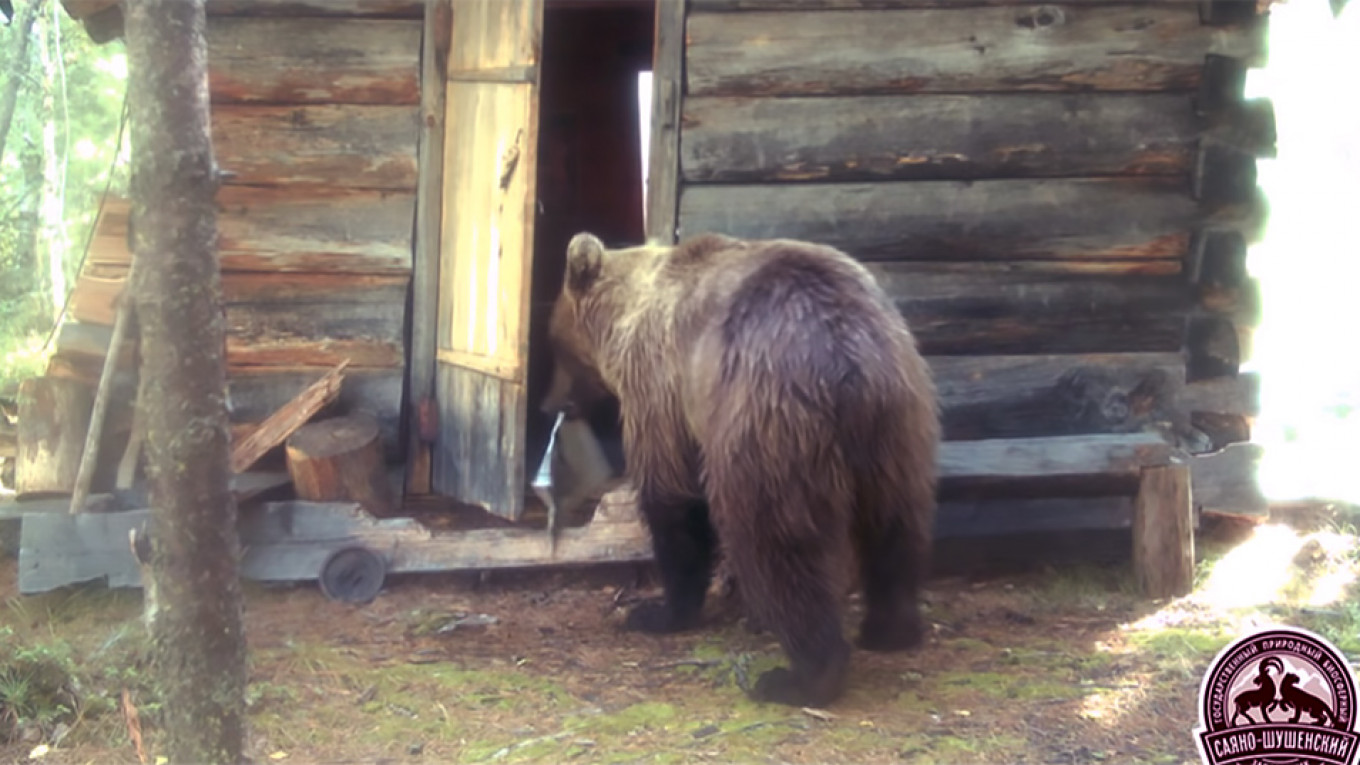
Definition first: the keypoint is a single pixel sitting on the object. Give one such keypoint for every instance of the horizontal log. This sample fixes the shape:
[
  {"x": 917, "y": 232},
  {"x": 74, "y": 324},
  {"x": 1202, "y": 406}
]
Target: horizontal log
[
  {"x": 313, "y": 60},
  {"x": 79, "y": 9},
  {"x": 999, "y": 313},
  {"x": 277, "y": 334},
  {"x": 1086, "y": 219},
  {"x": 937, "y": 137},
  {"x": 1111, "y": 456},
  {"x": 355, "y": 231},
  {"x": 1238, "y": 394},
  {"x": 336, "y": 230},
  {"x": 256, "y": 392},
  {"x": 727, "y": 6},
  {"x": 1072, "y": 48},
  {"x": 993, "y": 517},
  {"x": 308, "y": 319},
  {"x": 987, "y": 397},
  {"x": 379, "y": 8},
  {"x": 352, "y": 145}
]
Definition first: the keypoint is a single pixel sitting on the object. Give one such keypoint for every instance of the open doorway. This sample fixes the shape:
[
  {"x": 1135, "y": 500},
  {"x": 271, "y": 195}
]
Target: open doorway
[{"x": 595, "y": 98}]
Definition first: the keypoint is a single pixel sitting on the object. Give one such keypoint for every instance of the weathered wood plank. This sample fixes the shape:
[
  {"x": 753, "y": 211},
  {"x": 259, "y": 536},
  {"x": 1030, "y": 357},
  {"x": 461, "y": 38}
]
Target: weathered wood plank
[
  {"x": 1225, "y": 482},
  {"x": 1164, "y": 532},
  {"x": 1150, "y": 48},
  {"x": 480, "y": 458},
  {"x": 356, "y": 231},
  {"x": 716, "y": 6},
  {"x": 313, "y": 60},
  {"x": 357, "y": 146},
  {"x": 379, "y": 8},
  {"x": 425, "y": 270},
  {"x": 1054, "y": 395},
  {"x": 1238, "y": 394},
  {"x": 1105, "y": 455},
  {"x": 340, "y": 230},
  {"x": 963, "y": 518},
  {"x": 1091, "y": 219},
  {"x": 998, "y": 313},
  {"x": 937, "y": 137},
  {"x": 663, "y": 173},
  {"x": 256, "y": 392}
]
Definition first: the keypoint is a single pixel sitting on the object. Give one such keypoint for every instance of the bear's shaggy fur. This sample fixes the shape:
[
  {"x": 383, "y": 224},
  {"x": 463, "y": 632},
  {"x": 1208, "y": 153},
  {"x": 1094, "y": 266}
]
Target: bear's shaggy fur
[{"x": 773, "y": 401}]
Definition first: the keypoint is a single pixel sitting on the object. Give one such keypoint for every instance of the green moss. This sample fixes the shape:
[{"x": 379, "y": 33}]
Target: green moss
[{"x": 995, "y": 685}]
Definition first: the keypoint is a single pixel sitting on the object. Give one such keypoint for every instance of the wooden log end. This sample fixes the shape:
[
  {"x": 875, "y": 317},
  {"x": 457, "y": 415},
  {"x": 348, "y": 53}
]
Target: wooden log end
[
  {"x": 1224, "y": 175},
  {"x": 341, "y": 459},
  {"x": 1163, "y": 532}
]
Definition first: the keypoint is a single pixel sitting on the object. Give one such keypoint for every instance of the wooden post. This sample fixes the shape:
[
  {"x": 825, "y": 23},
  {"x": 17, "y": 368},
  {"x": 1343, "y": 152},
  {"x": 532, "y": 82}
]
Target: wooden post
[
  {"x": 90, "y": 456},
  {"x": 663, "y": 174},
  {"x": 341, "y": 459},
  {"x": 429, "y": 220},
  {"x": 54, "y": 414},
  {"x": 1164, "y": 532}
]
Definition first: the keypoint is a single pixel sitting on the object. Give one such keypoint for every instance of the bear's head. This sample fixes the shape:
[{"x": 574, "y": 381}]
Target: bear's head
[{"x": 577, "y": 383}]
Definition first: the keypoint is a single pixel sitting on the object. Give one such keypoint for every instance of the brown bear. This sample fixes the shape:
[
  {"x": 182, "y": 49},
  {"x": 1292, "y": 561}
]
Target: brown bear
[{"x": 774, "y": 403}]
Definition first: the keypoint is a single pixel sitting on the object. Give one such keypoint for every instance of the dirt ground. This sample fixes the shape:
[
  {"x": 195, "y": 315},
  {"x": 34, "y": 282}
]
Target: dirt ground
[{"x": 1056, "y": 665}]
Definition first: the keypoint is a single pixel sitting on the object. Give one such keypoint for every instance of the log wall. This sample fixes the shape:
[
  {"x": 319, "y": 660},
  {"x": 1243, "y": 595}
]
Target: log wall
[
  {"x": 1058, "y": 196},
  {"x": 315, "y": 109}
]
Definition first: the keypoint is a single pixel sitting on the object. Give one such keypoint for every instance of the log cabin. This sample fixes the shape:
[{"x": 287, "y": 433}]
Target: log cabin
[{"x": 1058, "y": 196}]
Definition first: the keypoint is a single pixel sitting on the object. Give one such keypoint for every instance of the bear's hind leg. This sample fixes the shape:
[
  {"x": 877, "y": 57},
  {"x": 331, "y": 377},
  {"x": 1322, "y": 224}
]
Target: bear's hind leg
[
  {"x": 893, "y": 517},
  {"x": 790, "y": 586},
  {"x": 890, "y": 574},
  {"x": 683, "y": 544}
]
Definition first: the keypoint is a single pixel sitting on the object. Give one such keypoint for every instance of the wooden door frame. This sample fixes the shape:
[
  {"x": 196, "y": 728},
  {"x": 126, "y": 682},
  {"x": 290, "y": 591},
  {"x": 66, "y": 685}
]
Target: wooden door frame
[{"x": 663, "y": 187}]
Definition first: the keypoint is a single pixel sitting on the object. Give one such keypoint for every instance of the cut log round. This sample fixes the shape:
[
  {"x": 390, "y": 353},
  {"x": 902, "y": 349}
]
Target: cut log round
[
  {"x": 341, "y": 459},
  {"x": 54, "y": 415}
]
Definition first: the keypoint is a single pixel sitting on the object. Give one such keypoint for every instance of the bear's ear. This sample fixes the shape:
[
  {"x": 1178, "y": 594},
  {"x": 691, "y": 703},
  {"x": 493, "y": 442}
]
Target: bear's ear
[{"x": 585, "y": 260}]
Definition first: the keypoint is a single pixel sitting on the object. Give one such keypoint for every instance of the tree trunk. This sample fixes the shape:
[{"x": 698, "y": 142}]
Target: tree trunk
[
  {"x": 176, "y": 287},
  {"x": 51, "y": 202},
  {"x": 18, "y": 67}
]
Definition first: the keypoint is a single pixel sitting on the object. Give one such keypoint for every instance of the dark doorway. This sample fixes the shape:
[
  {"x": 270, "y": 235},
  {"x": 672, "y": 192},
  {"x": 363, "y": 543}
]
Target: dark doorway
[{"x": 590, "y": 168}]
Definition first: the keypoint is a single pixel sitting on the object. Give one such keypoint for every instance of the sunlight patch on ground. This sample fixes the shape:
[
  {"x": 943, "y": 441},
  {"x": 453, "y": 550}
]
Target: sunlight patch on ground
[{"x": 1273, "y": 571}]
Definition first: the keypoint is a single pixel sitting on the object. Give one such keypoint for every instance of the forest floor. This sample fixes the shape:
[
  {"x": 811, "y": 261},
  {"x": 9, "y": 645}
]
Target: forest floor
[{"x": 1054, "y": 665}]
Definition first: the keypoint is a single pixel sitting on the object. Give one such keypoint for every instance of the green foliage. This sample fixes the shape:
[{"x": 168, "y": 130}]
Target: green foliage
[{"x": 86, "y": 84}]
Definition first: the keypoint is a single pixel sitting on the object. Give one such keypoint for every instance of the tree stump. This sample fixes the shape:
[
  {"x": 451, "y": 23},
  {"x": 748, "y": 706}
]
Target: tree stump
[
  {"x": 54, "y": 416},
  {"x": 1164, "y": 532},
  {"x": 340, "y": 459}
]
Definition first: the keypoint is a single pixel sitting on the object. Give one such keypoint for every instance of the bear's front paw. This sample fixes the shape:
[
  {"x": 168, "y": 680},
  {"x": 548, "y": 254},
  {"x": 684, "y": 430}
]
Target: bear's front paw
[
  {"x": 889, "y": 635},
  {"x": 781, "y": 686},
  {"x": 656, "y": 617}
]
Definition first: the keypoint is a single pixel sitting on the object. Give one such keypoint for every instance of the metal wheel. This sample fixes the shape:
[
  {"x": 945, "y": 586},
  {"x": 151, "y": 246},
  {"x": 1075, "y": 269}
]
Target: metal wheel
[{"x": 353, "y": 575}]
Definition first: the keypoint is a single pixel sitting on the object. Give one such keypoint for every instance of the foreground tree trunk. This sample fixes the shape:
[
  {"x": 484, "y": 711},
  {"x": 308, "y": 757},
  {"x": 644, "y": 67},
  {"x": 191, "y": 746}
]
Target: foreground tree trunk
[{"x": 197, "y": 631}]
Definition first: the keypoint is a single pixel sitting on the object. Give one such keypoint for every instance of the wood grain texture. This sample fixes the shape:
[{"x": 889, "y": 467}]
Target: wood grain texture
[
  {"x": 256, "y": 392},
  {"x": 1085, "y": 219},
  {"x": 1149, "y": 48},
  {"x": 336, "y": 230},
  {"x": 835, "y": 5},
  {"x": 378, "y": 8},
  {"x": 1225, "y": 482},
  {"x": 356, "y": 146},
  {"x": 987, "y": 397},
  {"x": 479, "y": 457},
  {"x": 486, "y": 252},
  {"x": 937, "y": 137},
  {"x": 664, "y": 158},
  {"x": 313, "y": 60},
  {"x": 357, "y": 231},
  {"x": 980, "y": 313},
  {"x": 1164, "y": 532},
  {"x": 425, "y": 270}
]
